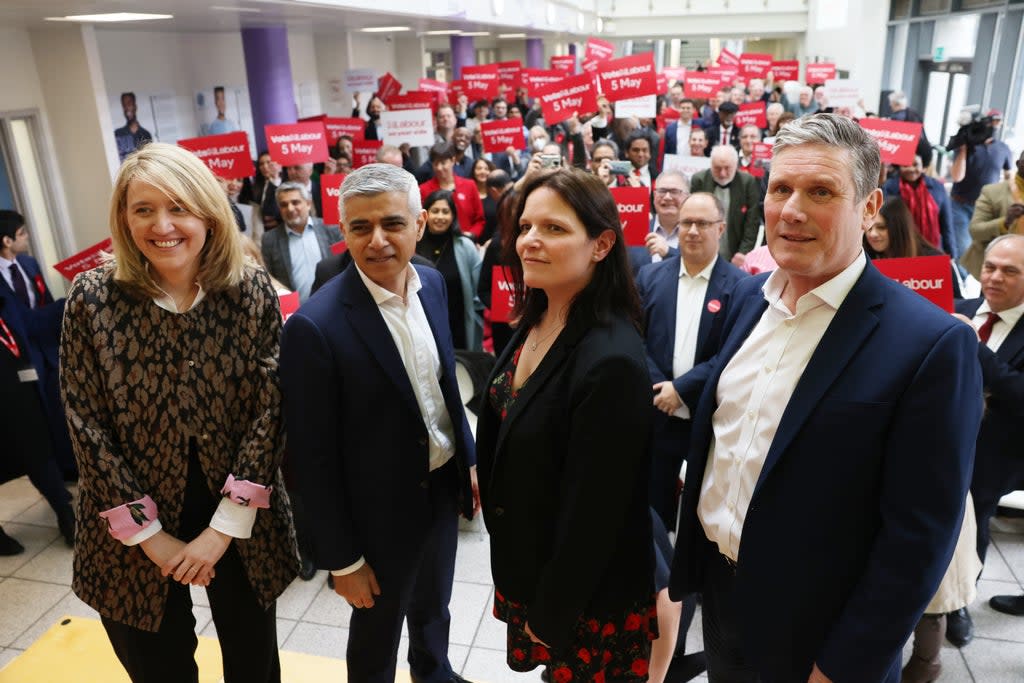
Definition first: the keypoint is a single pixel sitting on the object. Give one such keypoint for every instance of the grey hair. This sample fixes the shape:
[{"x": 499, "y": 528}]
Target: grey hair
[
  {"x": 675, "y": 173},
  {"x": 897, "y": 98},
  {"x": 292, "y": 186},
  {"x": 1002, "y": 238},
  {"x": 719, "y": 206},
  {"x": 833, "y": 130},
  {"x": 374, "y": 179},
  {"x": 605, "y": 142},
  {"x": 728, "y": 151},
  {"x": 775, "y": 106}
]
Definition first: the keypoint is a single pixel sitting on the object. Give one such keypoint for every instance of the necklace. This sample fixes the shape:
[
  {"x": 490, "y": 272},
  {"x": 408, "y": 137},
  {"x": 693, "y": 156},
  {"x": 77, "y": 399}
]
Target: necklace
[{"x": 534, "y": 345}]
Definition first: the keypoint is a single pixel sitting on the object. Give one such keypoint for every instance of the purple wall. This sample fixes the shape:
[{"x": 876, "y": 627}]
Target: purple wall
[
  {"x": 268, "y": 69},
  {"x": 463, "y": 53},
  {"x": 535, "y": 53}
]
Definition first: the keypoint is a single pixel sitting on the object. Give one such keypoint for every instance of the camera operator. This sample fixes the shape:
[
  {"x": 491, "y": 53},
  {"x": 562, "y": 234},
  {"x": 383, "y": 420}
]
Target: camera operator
[{"x": 978, "y": 162}]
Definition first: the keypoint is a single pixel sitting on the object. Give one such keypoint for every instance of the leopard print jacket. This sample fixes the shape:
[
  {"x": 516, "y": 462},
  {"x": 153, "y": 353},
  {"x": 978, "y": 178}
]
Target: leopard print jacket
[{"x": 138, "y": 383}]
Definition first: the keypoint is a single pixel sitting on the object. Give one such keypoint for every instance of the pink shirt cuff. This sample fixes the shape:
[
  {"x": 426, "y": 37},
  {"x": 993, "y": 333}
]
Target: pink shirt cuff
[
  {"x": 127, "y": 520},
  {"x": 246, "y": 492}
]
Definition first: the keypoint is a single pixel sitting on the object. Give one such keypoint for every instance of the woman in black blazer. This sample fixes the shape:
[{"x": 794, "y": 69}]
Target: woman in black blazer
[{"x": 562, "y": 444}]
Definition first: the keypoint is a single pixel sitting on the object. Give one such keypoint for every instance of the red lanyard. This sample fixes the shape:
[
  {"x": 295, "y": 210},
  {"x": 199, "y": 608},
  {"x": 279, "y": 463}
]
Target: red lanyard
[{"x": 7, "y": 339}]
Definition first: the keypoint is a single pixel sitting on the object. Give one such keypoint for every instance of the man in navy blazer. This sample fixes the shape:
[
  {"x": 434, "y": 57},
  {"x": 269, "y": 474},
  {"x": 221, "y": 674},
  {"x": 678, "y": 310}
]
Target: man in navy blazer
[
  {"x": 663, "y": 239},
  {"x": 838, "y": 417},
  {"x": 378, "y": 441}
]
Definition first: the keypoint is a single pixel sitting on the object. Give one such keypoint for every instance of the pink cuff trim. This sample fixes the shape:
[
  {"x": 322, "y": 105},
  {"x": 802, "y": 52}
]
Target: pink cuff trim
[
  {"x": 125, "y": 521},
  {"x": 247, "y": 493}
]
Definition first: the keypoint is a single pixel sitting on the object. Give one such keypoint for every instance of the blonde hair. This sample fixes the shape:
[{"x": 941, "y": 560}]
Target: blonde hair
[{"x": 186, "y": 180}]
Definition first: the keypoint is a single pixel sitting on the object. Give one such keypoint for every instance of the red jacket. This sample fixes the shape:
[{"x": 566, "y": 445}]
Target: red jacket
[{"x": 468, "y": 206}]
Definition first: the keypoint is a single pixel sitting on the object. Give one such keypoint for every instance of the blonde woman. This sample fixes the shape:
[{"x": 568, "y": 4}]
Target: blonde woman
[{"x": 169, "y": 377}]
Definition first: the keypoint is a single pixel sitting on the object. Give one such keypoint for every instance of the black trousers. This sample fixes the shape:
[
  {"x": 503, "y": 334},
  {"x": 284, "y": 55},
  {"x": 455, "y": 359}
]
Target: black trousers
[
  {"x": 31, "y": 448},
  {"x": 669, "y": 443},
  {"x": 723, "y": 644},
  {"x": 247, "y": 632}
]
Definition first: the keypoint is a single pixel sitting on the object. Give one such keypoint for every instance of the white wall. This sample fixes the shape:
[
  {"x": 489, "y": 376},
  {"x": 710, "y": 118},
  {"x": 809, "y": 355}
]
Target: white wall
[
  {"x": 840, "y": 32},
  {"x": 19, "y": 82},
  {"x": 336, "y": 54}
]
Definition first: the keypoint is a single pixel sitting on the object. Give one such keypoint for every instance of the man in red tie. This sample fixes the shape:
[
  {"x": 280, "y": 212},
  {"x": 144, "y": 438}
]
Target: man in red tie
[{"x": 998, "y": 467}]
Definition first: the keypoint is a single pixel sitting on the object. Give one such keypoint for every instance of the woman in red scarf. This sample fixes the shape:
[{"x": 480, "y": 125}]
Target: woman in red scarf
[{"x": 927, "y": 200}]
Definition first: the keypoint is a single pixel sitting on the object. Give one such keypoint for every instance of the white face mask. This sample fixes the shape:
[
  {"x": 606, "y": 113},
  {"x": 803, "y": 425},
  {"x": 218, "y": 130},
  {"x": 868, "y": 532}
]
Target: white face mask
[{"x": 538, "y": 144}]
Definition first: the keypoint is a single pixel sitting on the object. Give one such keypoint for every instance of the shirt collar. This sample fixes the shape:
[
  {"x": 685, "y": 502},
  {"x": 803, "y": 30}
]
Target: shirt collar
[
  {"x": 309, "y": 224},
  {"x": 660, "y": 229},
  {"x": 6, "y": 264},
  {"x": 705, "y": 273},
  {"x": 831, "y": 293},
  {"x": 381, "y": 295},
  {"x": 167, "y": 302},
  {"x": 1010, "y": 316}
]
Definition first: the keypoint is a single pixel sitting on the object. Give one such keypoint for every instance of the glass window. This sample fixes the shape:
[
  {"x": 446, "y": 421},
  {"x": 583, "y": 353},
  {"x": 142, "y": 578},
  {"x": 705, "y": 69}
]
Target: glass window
[
  {"x": 957, "y": 35},
  {"x": 929, "y": 7},
  {"x": 900, "y": 9},
  {"x": 976, "y": 4}
]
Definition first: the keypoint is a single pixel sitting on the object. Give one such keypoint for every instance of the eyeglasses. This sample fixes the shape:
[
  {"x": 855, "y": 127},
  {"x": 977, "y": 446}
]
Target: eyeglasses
[
  {"x": 670, "y": 191},
  {"x": 686, "y": 223}
]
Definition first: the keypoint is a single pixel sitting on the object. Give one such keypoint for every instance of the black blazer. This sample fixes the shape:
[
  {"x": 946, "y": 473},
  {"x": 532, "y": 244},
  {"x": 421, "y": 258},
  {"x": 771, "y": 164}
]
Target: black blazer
[{"x": 563, "y": 480}]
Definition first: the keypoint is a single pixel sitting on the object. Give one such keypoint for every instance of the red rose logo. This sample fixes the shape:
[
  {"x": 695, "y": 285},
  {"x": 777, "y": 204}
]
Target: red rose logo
[{"x": 40, "y": 285}]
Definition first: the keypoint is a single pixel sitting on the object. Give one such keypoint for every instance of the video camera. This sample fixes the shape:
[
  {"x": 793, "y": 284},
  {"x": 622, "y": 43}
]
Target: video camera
[{"x": 974, "y": 131}]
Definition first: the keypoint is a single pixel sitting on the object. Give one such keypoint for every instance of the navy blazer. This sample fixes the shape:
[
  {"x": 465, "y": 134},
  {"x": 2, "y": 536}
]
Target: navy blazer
[
  {"x": 357, "y": 445},
  {"x": 857, "y": 509},
  {"x": 671, "y": 144},
  {"x": 39, "y": 326},
  {"x": 658, "y": 285}
]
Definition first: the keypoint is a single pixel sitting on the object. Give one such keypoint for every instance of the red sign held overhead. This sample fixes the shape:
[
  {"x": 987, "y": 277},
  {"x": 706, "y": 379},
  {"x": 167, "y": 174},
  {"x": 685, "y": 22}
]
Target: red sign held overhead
[
  {"x": 786, "y": 70},
  {"x": 572, "y": 95},
  {"x": 330, "y": 191},
  {"x": 226, "y": 155},
  {"x": 431, "y": 85},
  {"x": 755, "y": 65},
  {"x": 500, "y": 135},
  {"x": 675, "y": 73},
  {"x": 537, "y": 79},
  {"x": 83, "y": 260},
  {"x": 817, "y": 74},
  {"x": 457, "y": 88},
  {"x": 481, "y": 81},
  {"x": 365, "y": 152},
  {"x": 388, "y": 86},
  {"x": 412, "y": 100},
  {"x": 353, "y": 127},
  {"x": 726, "y": 58},
  {"x": 291, "y": 144},
  {"x": 701, "y": 86},
  {"x": 660, "y": 83},
  {"x": 751, "y": 112},
  {"x": 510, "y": 74},
  {"x": 634, "y": 204},
  {"x": 929, "y": 276},
  {"x": 598, "y": 50},
  {"x": 503, "y": 296},
  {"x": 897, "y": 140},
  {"x": 566, "y": 63},
  {"x": 627, "y": 78},
  {"x": 728, "y": 74}
]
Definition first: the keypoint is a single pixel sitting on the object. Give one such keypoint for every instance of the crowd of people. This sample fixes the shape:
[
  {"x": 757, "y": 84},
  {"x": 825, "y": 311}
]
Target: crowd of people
[{"x": 829, "y": 422}]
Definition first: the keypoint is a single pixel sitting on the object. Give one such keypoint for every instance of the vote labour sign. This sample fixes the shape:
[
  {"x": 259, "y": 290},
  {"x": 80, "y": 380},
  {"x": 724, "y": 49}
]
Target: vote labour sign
[
  {"x": 565, "y": 63},
  {"x": 353, "y": 127},
  {"x": 570, "y": 95},
  {"x": 537, "y": 79},
  {"x": 412, "y": 126},
  {"x": 674, "y": 73},
  {"x": 701, "y": 86},
  {"x": 929, "y": 276},
  {"x": 598, "y": 50},
  {"x": 365, "y": 152},
  {"x": 226, "y": 155},
  {"x": 818, "y": 74},
  {"x": 751, "y": 112},
  {"x": 291, "y": 144},
  {"x": 481, "y": 81},
  {"x": 726, "y": 58},
  {"x": 628, "y": 77},
  {"x": 510, "y": 74},
  {"x": 500, "y": 135},
  {"x": 897, "y": 140},
  {"x": 388, "y": 86},
  {"x": 755, "y": 65},
  {"x": 413, "y": 99},
  {"x": 330, "y": 190},
  {"x": 83, "y": 260},
  {"x": 634, "y": 204},
  {"x": 786, "y": 70},
  {"x": 503, "y": 296}
]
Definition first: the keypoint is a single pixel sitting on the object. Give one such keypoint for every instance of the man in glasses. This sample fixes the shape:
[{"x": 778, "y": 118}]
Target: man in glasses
[{"x": 663, "y": 240}]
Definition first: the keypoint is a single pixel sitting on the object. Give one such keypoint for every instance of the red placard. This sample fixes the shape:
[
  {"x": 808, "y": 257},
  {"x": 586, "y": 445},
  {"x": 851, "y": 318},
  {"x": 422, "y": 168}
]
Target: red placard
[
  {"x": 726, "y": 58},
  {"x": 500, "y": 135},
  {"x": 537, "y": 79},
  {"x": 388, "y": 86},
  {"x": 510, "y": 73},
  {"x": 566, "y": 63},
  {"x": 365, "y": 152},
  {"x": 701, "y": 86},
  {"x": 629, "y": 77},
  {"x": 481, "y": 81},
  {"x": 675, "y": 73},
  {"x": 634, "y": 204},
  {"x": 670, "y": 114},
  {"x": 661, "y": 83},
  {"x": 762, "y": 151},
  {"x": 339, "y": 247},
  {"x": 755, "y": 65},
  {"x": 561, "y": 100},
  {"x": 413, "y": 99},
  {"x": 353, "y": 127},
  {"x": 330, "y": 190},
  {"x": 289, "y": 304},
  {"x": 728, "y": 74},
  {"x": 503, "y": 297},
  {"x": 929, "y": 276},
  {"x": 83, "y": 260},
  {"x": 786, "y": 70},
  {"x": 226, "y": 155},
  {"x": 817, "y": 74},
  {"x": 751, "y": 112},
  {"x": 431, "y": 85},
  {"x": 598, "y": 50},
  {"x": 897, "y": 140},
  {"x": 291, "y": 144}
]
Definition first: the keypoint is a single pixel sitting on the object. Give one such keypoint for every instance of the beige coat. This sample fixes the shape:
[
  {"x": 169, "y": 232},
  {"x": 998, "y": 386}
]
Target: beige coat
[
  {"x": 988, "y": 222},
  {"x": 958, "y": 587}
]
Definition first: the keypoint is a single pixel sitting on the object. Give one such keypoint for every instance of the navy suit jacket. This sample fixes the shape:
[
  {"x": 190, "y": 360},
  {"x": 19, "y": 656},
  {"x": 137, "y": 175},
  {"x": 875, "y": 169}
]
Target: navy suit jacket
[
  {"x": 858, "y": 506},
  {"x": 357, "y": 445},
  {"x": 39, "y": 326},
  {"x": 671, "y": 144},
  {"x": 658, "y": 284}
]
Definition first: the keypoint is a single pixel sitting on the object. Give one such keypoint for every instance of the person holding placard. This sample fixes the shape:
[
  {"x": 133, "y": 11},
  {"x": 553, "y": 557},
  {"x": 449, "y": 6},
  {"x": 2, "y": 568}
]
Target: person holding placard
[{"x": 180, "y": 482}]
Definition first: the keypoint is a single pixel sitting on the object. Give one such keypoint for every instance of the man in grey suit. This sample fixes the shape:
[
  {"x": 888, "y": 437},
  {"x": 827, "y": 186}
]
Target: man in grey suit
[
  {"x": 292, "y": 251},
  {"x": 739, "y": 193}
]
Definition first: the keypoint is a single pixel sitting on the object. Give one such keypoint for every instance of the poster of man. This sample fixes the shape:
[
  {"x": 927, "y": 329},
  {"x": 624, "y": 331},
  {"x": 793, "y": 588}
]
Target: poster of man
[
  {"x": 221, "y": 122},
  {"x": 131, "y": 135}
]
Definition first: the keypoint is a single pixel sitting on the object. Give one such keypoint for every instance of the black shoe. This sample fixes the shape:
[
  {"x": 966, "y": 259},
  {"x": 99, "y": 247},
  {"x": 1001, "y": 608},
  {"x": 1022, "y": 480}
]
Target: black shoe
[
  {"x": 66, "y": 524},
  {"x": 9, "y": 546},
  {"x": 307, "y": 570},
  {"x": 686, "y": 668},
  {"x": 330, "y": 580},
  {"x": 1008, "y": 604},
  {"x": 959, "y": 627}
]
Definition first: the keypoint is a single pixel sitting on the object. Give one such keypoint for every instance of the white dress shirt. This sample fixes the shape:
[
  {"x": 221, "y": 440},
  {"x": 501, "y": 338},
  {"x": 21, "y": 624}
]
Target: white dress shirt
[
  {"x": 5, "y": 270},
  {"x": 410, "y": 330},
  {"x": 689, "y": 304},
  {"x": 683, "y": 137},
  {"x": 304, "y": 250},
  {"x": 1002, "y": 327},
  {"x": 671, "y": 237},
  {"x": 752, "y": 395}
]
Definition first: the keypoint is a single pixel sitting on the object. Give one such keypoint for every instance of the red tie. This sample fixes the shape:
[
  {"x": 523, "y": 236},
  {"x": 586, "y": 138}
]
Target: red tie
[
  {"x": 725, "y": 136},
  {"x": 985, "y": 331}
]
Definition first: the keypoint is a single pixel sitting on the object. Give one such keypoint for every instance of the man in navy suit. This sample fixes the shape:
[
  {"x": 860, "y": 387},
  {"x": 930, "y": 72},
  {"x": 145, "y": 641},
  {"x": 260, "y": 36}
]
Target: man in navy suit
[
  {"x": 378, "y": 442},
  {"x": 663, "y": 239},
  {"x": 839, "y": 417}
]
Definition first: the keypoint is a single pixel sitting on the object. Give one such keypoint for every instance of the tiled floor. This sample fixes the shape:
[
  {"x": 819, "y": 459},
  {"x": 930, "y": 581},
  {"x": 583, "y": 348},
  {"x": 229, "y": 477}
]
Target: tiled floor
[{"x": 35, "y": 592}]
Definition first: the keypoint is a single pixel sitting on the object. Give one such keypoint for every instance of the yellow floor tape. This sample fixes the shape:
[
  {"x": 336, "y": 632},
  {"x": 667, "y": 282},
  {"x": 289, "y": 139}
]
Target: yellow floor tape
[{"x": 77, "y": 649}]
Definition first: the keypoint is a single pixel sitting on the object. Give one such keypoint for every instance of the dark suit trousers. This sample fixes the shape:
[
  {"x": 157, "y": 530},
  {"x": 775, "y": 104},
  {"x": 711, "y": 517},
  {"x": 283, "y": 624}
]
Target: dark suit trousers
[
  {"x": 418, "y": 588},
  {"x": 247, "y": 633},
  {"x": 994, "y": 477},
  {"x": 669, "y": 444},
  {"x": 723, "y": 624},
  {"x": 31, "y": 446}
]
